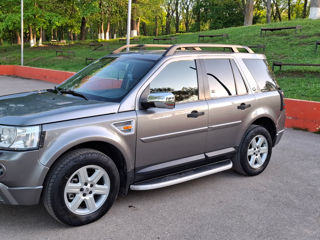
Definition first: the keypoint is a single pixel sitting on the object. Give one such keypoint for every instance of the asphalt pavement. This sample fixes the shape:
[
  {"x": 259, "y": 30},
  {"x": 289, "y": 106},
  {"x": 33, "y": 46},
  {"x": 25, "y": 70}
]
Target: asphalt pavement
[{"x": 281, "y": 203}]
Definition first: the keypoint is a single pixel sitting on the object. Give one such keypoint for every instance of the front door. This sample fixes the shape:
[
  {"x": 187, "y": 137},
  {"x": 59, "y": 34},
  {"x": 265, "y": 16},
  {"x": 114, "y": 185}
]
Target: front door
[{"x": 167, "y": 138}]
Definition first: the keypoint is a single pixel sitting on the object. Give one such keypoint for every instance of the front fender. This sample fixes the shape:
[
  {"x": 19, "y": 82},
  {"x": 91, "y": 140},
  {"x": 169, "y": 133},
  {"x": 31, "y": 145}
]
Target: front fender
[{"x": 61, "y": 137}]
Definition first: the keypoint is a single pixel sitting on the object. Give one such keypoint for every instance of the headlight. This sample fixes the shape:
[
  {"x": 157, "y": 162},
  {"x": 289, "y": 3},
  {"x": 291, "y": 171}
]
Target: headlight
[{"x": 19, "y": 138}]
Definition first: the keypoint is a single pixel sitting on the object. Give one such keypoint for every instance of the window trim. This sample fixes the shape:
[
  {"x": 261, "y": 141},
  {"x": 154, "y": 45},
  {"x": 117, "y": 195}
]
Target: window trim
[
  {"x": 242, "y": 78},
  {"x": 206, "y": 80}
]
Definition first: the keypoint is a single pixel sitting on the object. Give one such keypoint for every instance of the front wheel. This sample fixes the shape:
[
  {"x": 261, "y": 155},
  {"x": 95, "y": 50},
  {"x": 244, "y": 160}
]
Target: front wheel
[
  {"x": 81, "y": 187},
  {"x": 254, "y": 152}
]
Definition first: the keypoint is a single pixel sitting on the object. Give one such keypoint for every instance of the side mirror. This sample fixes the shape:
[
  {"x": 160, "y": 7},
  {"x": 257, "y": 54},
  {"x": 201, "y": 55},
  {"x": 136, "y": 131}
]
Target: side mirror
[{"x": 160, "y": 100}]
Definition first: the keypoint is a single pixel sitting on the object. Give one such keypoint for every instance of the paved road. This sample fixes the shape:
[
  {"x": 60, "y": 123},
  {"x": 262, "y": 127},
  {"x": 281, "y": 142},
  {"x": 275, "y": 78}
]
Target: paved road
[
  {"x": 282, "y": 203},
  {"x": 10, "y": 85}
]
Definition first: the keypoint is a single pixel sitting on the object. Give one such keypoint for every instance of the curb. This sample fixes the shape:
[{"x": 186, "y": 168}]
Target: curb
[
  {"x": 300, "y": 113},
  {"x": 47, "y": 75}
]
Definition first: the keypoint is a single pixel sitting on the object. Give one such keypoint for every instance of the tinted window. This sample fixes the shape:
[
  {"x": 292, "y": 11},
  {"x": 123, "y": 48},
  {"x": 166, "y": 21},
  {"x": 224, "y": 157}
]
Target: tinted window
[
  {"x": 220, "y": 77},
  {"x": 240, "y": 85},
  {"x": 180, "y": 78},
  {"x": 260, "y": 72}
]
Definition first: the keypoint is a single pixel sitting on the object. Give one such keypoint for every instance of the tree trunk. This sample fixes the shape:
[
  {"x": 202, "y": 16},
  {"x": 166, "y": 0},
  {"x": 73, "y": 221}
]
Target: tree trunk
[
  {"x": 305, "y": 5},
  {"x": 134, "y": 18},
  {"x": 186, "y": 24},
  {"x": 277, "y": 10},
  {"x": 198, "y": 18},
  {"x": 177, "y": 15},
  {"x": 83, "y": 28},
  {"x": 138, "y": 27},
  {"x": 168, "y": 21},
  {"x": 107, "y": 36},
  {"x": 18, "y": 38},
  {"x": 289, "y": 9},
  {"x": 40, "y": 37},
  {"x": 268, "y": 11},
  {"x": 314, "y": 9},
  {"x": 248, "y": 18},
  {"x": 70, "y": 35},
  {"x": 44, "y": 35},
  {"x": 32, "y": 43},
  {"x": 156, "y": 30},
  {"x": 144, "y": 28},
  {"x": 273, "y": 14},
  {"x": 101, "y": 31}
]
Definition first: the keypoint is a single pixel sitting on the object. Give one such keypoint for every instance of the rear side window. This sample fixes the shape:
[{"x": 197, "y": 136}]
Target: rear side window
[
  {"x": 220, "y": 78},
  {"x": 260, "y": 72},
  {"x": 240, "y": 85},
  {"x": 179, "y": 78}
]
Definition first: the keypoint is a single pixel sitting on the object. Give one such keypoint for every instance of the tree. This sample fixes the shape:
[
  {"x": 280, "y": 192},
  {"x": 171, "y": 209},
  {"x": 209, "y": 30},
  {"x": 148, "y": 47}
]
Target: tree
[
  {"x": 187, "y": 14},
  {"x": 177, "y": 12},
  {"x": 248, "y": 18},
  {"x": 269, "y": 10},
  {"x": 278, "y": 13},
  {"x": 305, "y": 5},
  {"x": 289, "y": 9},
  {"x": 314, "y": 9}
]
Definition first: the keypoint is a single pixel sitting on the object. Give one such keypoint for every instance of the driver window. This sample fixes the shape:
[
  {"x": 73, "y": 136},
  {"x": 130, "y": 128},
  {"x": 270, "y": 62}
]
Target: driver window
[{"x": 179, "y": 78}]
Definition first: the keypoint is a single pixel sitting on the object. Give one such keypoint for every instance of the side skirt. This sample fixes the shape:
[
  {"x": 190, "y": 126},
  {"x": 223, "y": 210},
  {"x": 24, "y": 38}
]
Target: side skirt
[{"x": 181, "y": 177}]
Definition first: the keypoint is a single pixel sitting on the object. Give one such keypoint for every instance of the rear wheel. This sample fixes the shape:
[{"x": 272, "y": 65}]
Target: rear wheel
[
  {"x": 254, "y": 152},
  {"x": 81, "y": 187}
]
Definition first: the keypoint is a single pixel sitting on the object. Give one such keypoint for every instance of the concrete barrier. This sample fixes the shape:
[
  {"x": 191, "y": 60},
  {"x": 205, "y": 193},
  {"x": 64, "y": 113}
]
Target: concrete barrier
[
  {"x": 300, "y": 114},
  {"x": 303, "y": 114},
  {"x": 48, "y": 75}
]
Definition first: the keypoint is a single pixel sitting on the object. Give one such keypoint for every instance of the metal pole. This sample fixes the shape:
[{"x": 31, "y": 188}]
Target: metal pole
[
  {"x": 129, "y": 24},
  {"x": 22, "y": 33}
]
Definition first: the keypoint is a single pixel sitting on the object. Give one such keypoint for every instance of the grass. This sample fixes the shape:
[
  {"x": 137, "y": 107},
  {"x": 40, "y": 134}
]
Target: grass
[{"x": 285, "y": 46}]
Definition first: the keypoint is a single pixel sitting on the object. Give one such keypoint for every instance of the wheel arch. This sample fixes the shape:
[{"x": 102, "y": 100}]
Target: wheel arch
[
  {"x": 111, "y": 151},
  {"x": 267, "y": 123}
]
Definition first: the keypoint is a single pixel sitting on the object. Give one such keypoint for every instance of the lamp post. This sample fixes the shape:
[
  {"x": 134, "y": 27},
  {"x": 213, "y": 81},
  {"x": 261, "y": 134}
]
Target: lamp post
[
  {"x": 21, "y": 32},
  {"x": 129, "y": 24}
]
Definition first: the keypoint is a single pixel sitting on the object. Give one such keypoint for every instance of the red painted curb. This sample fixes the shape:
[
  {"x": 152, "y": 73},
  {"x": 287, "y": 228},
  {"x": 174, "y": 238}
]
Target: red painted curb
[
  {"x": 303, "y": 114},
  {"x": 48, "y": 75},
  {"x": 300, "y": 114}
]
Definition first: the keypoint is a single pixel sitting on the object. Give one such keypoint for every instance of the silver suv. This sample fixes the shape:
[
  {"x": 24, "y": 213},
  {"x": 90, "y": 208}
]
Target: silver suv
[{"x": 138, "y": 120}]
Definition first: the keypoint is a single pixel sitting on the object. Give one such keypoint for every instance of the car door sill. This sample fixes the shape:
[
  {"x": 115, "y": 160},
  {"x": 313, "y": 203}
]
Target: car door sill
[{"x": 183, "y": 176}]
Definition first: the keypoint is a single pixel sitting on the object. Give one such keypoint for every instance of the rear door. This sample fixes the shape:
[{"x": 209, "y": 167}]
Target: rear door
[{"x": 229, "y": 103}]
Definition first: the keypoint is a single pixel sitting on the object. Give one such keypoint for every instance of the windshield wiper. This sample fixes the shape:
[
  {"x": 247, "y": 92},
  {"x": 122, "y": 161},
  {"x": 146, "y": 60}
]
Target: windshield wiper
[
  {"x": 74, "y": 93},
  {"x": 54, "y": 90}
]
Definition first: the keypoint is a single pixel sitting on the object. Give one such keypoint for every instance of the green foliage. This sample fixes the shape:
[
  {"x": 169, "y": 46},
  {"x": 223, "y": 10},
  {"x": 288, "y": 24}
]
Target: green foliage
[{"x": 284, "y": 46}]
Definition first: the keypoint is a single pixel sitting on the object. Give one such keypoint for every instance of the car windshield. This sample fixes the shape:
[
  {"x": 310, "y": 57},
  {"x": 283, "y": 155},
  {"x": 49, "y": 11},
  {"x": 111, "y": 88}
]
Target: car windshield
[{"x": 108, "y": 79}]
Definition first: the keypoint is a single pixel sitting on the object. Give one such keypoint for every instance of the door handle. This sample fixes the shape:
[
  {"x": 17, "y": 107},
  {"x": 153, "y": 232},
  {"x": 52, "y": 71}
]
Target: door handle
[
  {"x": 195, "y": 114},
  {"x": 243, "y": 106}
]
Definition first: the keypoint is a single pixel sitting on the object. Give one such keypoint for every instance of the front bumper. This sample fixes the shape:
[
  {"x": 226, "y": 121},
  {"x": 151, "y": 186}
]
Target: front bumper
[
  {"x": 19, "y": 195},
  {"x": 21, "y": 177}
]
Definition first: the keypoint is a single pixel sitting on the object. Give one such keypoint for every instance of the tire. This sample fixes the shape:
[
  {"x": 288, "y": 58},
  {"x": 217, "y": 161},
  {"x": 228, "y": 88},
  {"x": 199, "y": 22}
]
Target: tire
[
  {"x": 86, "y": 177},
  {"x": 251, "y": 158}
]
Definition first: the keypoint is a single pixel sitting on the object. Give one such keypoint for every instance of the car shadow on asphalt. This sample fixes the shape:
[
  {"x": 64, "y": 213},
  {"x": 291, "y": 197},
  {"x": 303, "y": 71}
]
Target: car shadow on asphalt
[{"x": 36, "y": 217}]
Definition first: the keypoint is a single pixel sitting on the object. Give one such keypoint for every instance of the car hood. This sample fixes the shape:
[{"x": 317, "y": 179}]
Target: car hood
[{"x": 33, "y": 108}]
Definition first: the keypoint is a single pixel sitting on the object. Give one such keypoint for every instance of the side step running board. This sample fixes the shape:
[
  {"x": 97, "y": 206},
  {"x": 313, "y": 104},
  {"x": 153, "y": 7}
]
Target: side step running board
[{"x": 181, "y": 177}]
